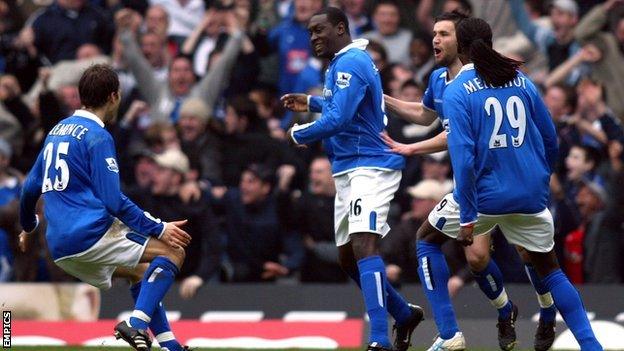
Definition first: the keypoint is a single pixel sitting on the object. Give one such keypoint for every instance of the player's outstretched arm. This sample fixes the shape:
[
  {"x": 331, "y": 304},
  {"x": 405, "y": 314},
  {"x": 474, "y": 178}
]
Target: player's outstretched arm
[
  {"x": 414, "y": 112},
  {"x": 295, "y": 102},
  {"x": 175, "y": 236},
  {"x": 429, "y": 146},
  {"x": 31, "y": 191}
]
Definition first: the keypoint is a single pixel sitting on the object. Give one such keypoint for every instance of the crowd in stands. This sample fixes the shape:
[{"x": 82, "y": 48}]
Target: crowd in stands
[{"x": 201, "y": 133}]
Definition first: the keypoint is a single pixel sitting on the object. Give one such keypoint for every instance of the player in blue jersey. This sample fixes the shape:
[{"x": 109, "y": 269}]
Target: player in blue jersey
[
  {"x": 94, "y": 231},
  {"x": 483, "y": 267},
  {"x": 366, "y": 174},
  {"x": 503, "y": 148}
]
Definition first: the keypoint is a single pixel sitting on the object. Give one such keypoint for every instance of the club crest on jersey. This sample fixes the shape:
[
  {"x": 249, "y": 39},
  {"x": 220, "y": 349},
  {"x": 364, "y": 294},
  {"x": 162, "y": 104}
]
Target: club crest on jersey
[
  {"x": 112, "y": 165},
  {"x": 446, "y": 125},
  {"x": 342, "y": 81}
]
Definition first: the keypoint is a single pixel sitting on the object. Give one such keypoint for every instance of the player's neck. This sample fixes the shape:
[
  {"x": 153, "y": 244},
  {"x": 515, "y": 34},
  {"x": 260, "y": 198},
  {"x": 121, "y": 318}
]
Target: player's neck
[
  {"x": 99, "y": 112},
  {"x": 454, "y": 68}
]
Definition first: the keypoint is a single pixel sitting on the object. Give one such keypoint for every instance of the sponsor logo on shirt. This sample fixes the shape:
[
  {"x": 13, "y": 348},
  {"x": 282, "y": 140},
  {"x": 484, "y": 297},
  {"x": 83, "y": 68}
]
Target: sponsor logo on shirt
[
  {"x": 112, "y": 165},
  {"x": 342, "y": 81}
]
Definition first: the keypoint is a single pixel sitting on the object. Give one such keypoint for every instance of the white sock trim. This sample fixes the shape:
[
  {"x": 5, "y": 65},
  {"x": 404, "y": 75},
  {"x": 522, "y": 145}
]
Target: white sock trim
[
  {"x": 379, "y": 289},
  {"x": 425, "y": 268},
  {"x": 166, "y": 336},
  {"x": 546, "y": 300},
  {"x": 501, "y": 300},
  {"x": 141, "y": 315}
]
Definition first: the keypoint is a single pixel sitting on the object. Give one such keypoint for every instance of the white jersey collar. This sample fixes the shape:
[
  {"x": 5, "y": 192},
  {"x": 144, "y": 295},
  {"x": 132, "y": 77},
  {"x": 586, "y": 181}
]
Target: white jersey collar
[
  {"x": 466, "y": 67},
  {"x": 88, "y": 115},
  {"x": 357, "y": 44}
]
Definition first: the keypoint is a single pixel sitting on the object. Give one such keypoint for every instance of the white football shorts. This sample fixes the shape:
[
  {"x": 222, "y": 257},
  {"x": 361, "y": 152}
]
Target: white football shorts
[
  {"x": 534, "y": 232},
  {"x": 362, "y": 202},
  {"x": 119, "y": 247}
]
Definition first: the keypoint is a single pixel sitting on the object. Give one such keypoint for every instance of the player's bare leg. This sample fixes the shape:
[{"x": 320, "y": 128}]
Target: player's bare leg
[
  {"x": 434, "y": 275},
  {"x": 566, "y": 297},
  {"x": 545, "y": 332},
  {"x": 158, "y": 258},
  {"x": 490, "y": 280}
]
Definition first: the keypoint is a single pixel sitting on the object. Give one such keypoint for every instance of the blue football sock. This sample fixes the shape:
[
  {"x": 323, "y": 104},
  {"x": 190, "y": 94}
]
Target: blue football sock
[
  {"x": 397, "y": 306},
  {"x": 490, "y": 281},
  {"x": 159, "y": 324},
  {"x": 373, "y": 281},
  {"x": 548, "y": 312},
  {"x": 569, "y": 303},
  {"x": 156, "y": 281},
  {"x": 434, "y": 275}
]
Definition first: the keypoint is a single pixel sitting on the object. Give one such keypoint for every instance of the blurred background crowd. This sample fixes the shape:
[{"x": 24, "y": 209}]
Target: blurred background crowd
[{"x": 201, "y": 132}]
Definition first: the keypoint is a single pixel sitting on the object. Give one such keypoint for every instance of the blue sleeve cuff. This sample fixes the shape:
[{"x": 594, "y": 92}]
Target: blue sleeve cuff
[{"x": 315, "y": 103}]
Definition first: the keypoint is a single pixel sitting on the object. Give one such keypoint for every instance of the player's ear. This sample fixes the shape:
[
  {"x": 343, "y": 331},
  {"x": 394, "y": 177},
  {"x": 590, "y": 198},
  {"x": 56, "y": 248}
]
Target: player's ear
[{"x": 341, "y": 28}]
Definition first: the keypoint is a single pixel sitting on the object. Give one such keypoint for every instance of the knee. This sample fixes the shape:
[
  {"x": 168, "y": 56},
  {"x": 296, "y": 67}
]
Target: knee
[
  {"x": 478, "y": 259},
  {"x": 177, "y": 256},
  {"x": 363, "y": 246}
]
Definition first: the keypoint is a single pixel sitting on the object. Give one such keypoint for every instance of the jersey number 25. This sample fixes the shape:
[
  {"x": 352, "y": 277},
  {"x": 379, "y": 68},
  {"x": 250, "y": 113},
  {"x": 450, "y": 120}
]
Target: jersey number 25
[{"x": 61, "y": 180}]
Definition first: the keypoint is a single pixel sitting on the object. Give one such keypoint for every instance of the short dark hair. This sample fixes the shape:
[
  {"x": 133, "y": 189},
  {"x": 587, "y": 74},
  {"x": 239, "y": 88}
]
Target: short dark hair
[
  {"x": 96, "y": 85},
  {"x": 335, "y": 16},
  {"x": 412, "y": 83},
  {"x": 591, "y": 154},
  {"x": 453, "y": 16},
  {"x": 386, "y": 2},
  {"x": 263, "y": 172},
  {"x": 569, "y": 92}
]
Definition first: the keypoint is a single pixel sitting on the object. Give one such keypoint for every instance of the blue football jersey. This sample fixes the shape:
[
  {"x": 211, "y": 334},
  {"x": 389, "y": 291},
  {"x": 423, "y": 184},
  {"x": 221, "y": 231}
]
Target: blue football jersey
[
  {"x": 78, "y": 177},
  {"x": 432, "y": 98},
  {"x": 353, "y": 114},
  {"x": 503, "y": 145}
]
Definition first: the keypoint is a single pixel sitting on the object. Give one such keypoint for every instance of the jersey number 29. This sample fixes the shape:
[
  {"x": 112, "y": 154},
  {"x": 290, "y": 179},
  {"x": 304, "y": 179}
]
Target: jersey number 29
[
  {"x": 516, "y": 115},
  {"x": 61, "y": 180}
]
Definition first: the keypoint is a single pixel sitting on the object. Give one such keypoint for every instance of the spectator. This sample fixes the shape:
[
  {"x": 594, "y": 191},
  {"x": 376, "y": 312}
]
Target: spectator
[
  {"x": 561, "y": 103},
  {"x": 183, "y": 16},
  {"x": 203, "y": 40},
  {"x": 359, "y": 21},
  {"x": 66, "y": 25},
  {"x": 198, "y": 142},
  {"x": 255, "y": 234},
  {"x": 421, "y": 58},
  {"x": 10, "y": 189},
  {"x": 601, "y": 246},
  {"x": 166, "y": 100},
  {"x": 203, "y": 255},
  {"x": 581, "y": 163},
  {"x": 558, "y": 43},
  {"x": 247, "y": 141},
  {"x": 388, "y": 32},
  {"x": 10, "y": 127},
  {"x": 292, "y": 42},
  {"x": 594, "y": 119},
  {"x": 611, "y": 43},
  {"x": 378, "y": 54},
  {"x": 313, "y": 219}
]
